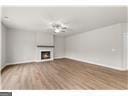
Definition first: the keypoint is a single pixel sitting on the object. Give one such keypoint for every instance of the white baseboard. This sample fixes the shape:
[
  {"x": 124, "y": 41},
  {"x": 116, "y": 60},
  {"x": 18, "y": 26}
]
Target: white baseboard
[
  {"x": 95, "y": 63},
  {"x": 44, "y": 60},
  {"x": 59, "y": 57},
  {"x": 19, "y": 62}
]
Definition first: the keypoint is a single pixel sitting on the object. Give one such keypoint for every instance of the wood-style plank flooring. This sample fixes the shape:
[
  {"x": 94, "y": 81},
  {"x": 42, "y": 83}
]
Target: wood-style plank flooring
[{"x": 62, "y": 74}]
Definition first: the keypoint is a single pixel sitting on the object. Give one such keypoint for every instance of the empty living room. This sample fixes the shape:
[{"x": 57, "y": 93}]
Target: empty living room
[{"x": 64, "y": 48}]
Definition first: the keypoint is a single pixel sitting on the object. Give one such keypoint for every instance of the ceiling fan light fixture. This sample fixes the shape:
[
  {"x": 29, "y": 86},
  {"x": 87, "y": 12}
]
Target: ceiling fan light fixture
[
  {"x": 57, "y": 30},
  {"x": 58, "y": 27}
]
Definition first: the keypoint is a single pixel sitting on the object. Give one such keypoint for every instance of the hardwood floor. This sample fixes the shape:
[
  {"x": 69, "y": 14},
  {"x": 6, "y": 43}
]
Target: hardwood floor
[{"x": 62, "y": 74}]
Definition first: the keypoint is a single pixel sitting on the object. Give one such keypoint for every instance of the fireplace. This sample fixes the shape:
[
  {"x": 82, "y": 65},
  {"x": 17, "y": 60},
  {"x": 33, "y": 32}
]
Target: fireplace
[{"x": 45, "y": 55}]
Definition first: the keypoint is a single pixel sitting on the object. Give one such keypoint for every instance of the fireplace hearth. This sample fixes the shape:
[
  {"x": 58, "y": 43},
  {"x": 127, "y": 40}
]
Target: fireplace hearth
[{"x": 45, "y": 55}]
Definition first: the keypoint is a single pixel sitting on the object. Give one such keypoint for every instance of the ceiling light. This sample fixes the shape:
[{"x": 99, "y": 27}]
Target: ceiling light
[
  {"x": 57, "y": 30},
  {"x": 58, "y": 27}
]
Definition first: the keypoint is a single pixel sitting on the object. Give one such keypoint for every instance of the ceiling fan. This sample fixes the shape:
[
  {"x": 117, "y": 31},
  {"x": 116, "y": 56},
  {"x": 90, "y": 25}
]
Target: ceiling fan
[{"x": 58, "y": 27}]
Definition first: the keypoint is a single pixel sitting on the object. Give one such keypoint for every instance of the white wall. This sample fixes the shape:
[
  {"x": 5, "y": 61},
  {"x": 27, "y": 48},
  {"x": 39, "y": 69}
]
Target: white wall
[
  {"x": 4, "y": 30},
  {"x": 127, "y": 46},
  {"x": 21, "y": 45},
  {"x": 0, "y": 40},
  {"x": 59, "y": 47},
  {"x": 124, "y": 27},
  {"x": 44, "y": 39},
  {"x": 101, "y": 46},
  {"x": 0, "y": 46},
  {"x": 126, "y": 55}
]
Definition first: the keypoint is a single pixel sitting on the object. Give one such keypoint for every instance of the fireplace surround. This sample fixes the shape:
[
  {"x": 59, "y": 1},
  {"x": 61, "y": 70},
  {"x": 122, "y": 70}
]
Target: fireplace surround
[{"x": 44, "y": 53}]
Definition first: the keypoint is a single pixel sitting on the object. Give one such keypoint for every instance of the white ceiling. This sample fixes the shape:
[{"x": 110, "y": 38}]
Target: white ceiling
[{"x": 79, "y": 19}]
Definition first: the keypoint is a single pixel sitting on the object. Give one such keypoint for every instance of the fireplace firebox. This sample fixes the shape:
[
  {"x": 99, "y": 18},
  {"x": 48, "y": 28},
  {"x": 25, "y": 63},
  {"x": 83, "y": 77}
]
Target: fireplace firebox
[{"x": 45, "y": 55}]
